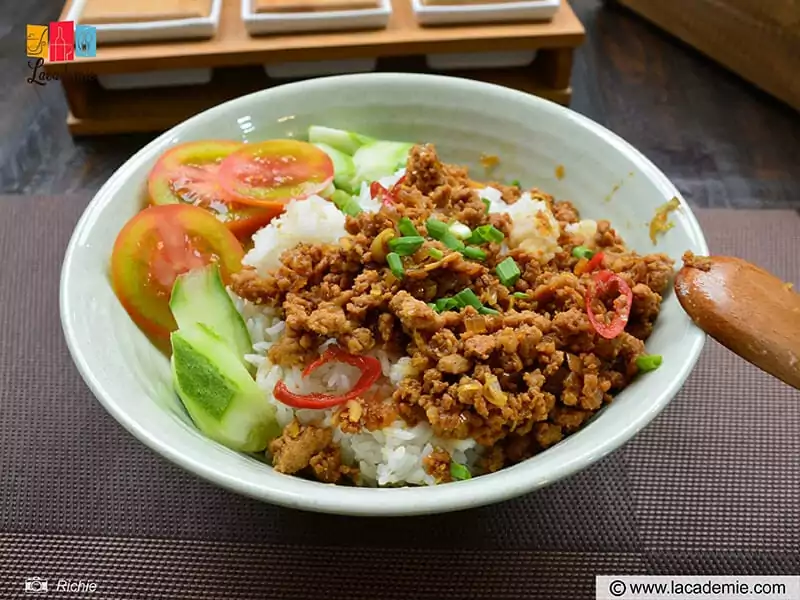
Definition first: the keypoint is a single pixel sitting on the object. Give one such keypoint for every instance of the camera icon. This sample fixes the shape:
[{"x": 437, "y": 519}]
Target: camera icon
[{"x": 35, "y": 585}]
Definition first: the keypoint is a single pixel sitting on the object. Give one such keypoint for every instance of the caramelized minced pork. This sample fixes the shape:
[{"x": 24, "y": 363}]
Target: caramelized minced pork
[{"x": 518, "y": 381}]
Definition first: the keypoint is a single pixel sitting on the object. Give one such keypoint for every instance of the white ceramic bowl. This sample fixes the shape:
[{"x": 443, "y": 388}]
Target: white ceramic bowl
[{"x": 464, "y": 119}]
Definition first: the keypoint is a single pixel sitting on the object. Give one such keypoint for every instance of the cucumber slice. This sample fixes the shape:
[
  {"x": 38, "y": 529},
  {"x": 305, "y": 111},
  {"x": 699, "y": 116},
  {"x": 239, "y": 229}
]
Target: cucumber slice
[
  {"x": 346, "y": 203},
  {"x": 343, "y": 141},
  {"x": 344, "y": 169},
  {"x": 219, "y": 393},
  {"x": 199, "y": 296},
  {"x": 379, "y": 159}
]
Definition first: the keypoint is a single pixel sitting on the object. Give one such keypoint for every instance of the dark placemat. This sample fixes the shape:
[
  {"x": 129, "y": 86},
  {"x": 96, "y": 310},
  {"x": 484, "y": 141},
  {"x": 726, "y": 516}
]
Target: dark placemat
[{"x": 711, "y": 487}]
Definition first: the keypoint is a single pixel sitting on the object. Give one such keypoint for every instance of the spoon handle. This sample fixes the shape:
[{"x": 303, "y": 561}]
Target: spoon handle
[{"x": 746, "y": 309}]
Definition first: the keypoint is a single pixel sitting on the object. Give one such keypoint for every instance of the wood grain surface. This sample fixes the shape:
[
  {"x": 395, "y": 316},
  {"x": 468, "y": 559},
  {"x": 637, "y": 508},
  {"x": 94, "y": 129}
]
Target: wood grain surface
[{"x": 720, "y": 140}]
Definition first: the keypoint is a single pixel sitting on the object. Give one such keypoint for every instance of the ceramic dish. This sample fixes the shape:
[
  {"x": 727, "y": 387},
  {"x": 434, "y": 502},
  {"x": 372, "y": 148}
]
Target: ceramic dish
[
  {"x": 154, "y": 79},
  {"x": 450, "y": 14},
  {"x": 318, "y": 68},
  {"x": 194, "y": 28},
  {"x": 536, "y": 140},
  {"x": 480, "y": 60},
  {"x": 286, "y": 22}
]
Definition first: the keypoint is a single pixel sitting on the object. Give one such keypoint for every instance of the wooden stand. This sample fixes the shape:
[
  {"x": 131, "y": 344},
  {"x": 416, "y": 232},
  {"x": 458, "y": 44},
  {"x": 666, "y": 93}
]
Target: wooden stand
[{"x": 238, "y": 60}]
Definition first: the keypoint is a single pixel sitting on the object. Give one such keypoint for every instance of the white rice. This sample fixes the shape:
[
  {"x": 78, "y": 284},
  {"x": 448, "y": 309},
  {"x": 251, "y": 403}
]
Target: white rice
[
  {"x": 535, "y": 228},
  {"x": 390, "y": 456},
  {"x": 365, "y": 199},
  {"x": 586, "y": 228},
  {"x": 393, "y": 455},
  {"x": 313, "y": 220}
]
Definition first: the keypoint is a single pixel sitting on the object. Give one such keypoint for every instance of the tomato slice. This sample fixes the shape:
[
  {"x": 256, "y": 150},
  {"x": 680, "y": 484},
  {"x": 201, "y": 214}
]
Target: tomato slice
[
  {"x": 189, "y": 174},
  {"x": 270, "y": 174},
  {"x": 156, "y": 246}
]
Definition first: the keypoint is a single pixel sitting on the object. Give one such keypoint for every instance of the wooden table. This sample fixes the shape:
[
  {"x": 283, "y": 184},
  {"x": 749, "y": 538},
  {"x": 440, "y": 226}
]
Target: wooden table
[{"x": 238, "y": 58}]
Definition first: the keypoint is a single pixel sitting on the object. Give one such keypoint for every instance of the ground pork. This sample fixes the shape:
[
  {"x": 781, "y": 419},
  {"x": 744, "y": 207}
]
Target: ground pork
[
  {"x": 311, "y": 449},
  {"x": 518, "y": 380}
]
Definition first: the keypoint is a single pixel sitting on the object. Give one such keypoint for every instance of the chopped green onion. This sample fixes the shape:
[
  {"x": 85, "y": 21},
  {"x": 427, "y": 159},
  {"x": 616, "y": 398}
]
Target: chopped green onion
[
  {"x": 407, "y": 245},
  {"x": 406, "y": 227},
  {"x": 346, "y": 203},
  {"x": 474, "y": 253},
  {"x": 520, "y": 295},
  {"x": 395, "y": 264},
  {"x": 648, "y": 362},
  {"x": 436, "y": 228},
  {"x": 444, "y": 304},
  {"x": 436, "y": 253},
  {"x": 460, "y": 230},
  {"x": 490, "y": 233},
  {"x": 460, "y": 472},
  {"x": 487, "y": 204},
  {"x": 485, "y": 310},
  {"x": 439, "y": 231},
  {"x": 452, "y": 242},
  {"x": 582, "y": 252},
  {"x": 516, "y": 183},
  {"x": 508, "y": 272},
  {"x": 468, "y": 298}
]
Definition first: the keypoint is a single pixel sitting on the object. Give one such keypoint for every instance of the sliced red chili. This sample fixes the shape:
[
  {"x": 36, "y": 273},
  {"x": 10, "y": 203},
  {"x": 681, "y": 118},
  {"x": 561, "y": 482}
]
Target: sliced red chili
[
  {"x": 587, "y": 266},
  {"x": 377, "y": 191},
  {"x": 603, "y": 282},
  {"x": 370, "y": 372},
  {"x": 387, "y": 197},
  {"x": 595, "y": 262}
]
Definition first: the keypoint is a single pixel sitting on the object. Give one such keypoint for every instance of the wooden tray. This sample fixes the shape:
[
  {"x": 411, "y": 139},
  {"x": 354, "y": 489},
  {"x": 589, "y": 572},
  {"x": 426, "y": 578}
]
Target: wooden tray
[{"x": 238, "y": 60}]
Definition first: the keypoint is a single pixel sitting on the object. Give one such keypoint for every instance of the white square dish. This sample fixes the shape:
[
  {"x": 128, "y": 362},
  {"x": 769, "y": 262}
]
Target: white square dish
[
  {"x": 177, "y": 29},
  {"x": 318, "y": 68},
  {"x": 286, "y": 22},
  {"x": 480, "y": 60},
  {"x": 525, "y": 10},
  {"x": 154, "y": 79}
]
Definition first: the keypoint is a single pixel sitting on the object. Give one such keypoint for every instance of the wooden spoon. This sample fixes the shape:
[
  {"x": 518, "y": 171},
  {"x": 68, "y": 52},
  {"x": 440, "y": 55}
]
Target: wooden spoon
[{"x": 746, "y": 309}]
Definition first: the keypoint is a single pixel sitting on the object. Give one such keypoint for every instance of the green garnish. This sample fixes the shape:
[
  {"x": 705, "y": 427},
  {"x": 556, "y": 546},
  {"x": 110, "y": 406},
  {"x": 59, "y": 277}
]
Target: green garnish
[
  {"x": 520, "y": 295},
  {"x": 508, "y": 272},
  {"x": 436, "y": 228},
  {"x": 436, "y": 253},
  {"x": 468, "y": 298},
  {"x": 465, "y": 297},
  {"x": 407, "y": 245},
  {"x": 459, "y": 472},
  {"x": 460, "y": 230},
  {"x": 487, "y": 233},
  {"x": 346, "y": 203},
  {"x": 406, "y": 227},
  {"x": 516, "y": 183},
  {"x": 648, "y": 362},
  {"x": 444, "y": 304},
  {"x": 440, "y": 231},
  {"x": 395, "y": 264},
  {"x": 474, "y": 253},
  {"x": 487, "y": 204},
  {"x": 582, "y": 252},
  {"x": 452, "y": 242}
]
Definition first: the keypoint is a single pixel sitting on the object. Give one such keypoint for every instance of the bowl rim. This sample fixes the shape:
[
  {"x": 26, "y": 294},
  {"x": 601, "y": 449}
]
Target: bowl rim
[{"x": 404, "y": 501}]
